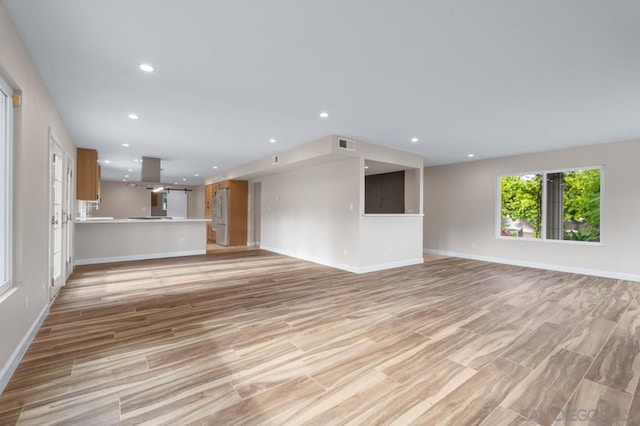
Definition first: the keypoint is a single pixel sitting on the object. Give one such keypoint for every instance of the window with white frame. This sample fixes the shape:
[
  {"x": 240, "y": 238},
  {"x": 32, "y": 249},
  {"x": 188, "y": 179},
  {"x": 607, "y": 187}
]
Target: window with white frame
[
  {"x": 560, "y": 205},
  {"x": 6, "y": 205}
]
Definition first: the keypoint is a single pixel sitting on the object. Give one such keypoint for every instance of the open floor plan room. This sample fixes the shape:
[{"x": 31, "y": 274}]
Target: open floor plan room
[{"x": 258, "y": 338}]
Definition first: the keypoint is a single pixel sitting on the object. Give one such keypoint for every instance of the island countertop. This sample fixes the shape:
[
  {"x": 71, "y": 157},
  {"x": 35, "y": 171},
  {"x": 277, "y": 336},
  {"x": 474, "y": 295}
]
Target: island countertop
[
  {"x": 117, "y": 240},
  {"x": 108, "y": 220}
]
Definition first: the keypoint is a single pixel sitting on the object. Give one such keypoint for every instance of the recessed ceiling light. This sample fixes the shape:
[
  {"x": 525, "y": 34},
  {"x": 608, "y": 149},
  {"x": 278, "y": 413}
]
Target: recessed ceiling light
[
  {"x": 133, "y": 116},
  {"x": 136, "y": 160},
  {"x": 471, "y": 155},
  {"x": 126, "y": 145},
  {"x": 272, "y": 140},
  {"x": 184, "y": 179},
  {"x": 129, "y": 170},
  {"x": 366, "y": 167},
  {"x": 215, "y": 167},
  {"x": 124, "y": 180},
  {"x": 126, "y": 175},
  {"x": 196, "y": 175},
  {"x": 414, "y": 140},
  {"x": 146, "y": 68},
  {"x": 107, "y": 161},
  {"x": 324, "y": 115},
  {"x": 175, "y": 183}
]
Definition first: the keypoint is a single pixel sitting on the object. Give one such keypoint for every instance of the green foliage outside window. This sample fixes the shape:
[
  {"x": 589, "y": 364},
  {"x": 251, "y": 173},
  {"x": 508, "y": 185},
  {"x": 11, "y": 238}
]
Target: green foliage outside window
[
  {"x": 582, "y": 205},
  {"x": 521, "y": 200}
]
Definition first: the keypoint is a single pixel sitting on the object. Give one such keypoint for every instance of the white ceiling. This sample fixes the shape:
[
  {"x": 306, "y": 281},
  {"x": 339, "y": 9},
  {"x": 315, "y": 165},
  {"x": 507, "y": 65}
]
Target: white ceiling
[{"x": 489, "y": 77}]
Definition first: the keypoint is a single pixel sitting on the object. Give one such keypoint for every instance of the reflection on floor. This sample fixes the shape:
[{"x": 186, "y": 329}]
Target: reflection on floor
[
  {"x": 253, "y": 337},
  {"x": 213, "y": 248}
]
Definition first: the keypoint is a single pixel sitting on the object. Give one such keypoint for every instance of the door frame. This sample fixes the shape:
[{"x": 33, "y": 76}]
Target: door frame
[
  {"x": 70, "y": 213},
  {"x": 52, "y": 143}
]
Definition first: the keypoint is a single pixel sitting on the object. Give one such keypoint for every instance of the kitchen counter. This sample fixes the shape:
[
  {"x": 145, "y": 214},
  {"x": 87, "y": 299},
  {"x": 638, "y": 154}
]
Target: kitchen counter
[
  {"x": 105, "y": 220},
  {"x": 104, "y": 240}
]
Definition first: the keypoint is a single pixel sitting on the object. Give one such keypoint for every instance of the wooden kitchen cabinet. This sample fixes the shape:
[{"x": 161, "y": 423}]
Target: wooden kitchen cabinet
[
  {"x": 238, "y": 211},
  {"x": 88, "y": 175},
  {"x": 209, "y": 192},
  {"x": 238, "y": 205}
]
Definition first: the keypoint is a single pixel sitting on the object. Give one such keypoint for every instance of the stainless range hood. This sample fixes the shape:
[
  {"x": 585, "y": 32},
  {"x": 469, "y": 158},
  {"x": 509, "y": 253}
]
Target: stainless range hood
[
  {"x": 150, "y": 176},
  {"x": 151, "y": 171}
]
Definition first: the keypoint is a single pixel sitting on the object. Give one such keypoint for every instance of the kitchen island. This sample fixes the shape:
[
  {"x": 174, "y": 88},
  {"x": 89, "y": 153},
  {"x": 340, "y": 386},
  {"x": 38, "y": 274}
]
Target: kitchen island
[{"x": 117, "y": 240}]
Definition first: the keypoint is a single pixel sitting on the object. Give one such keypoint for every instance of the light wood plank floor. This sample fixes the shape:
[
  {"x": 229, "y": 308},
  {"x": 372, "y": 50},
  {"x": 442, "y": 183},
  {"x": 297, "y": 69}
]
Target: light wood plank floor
[{"x": 258, "y": 338}]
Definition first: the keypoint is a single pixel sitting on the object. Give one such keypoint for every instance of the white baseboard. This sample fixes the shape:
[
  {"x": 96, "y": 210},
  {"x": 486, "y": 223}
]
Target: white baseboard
[
  {"x": 391, "y": 265},
  {"x": 343, "y": 266},
  {"x": 324, "y": 262},
  {"x": 139, "y": 257},
  {"x": 538, "y": 265},
  {"x": 15, "y": 358}
]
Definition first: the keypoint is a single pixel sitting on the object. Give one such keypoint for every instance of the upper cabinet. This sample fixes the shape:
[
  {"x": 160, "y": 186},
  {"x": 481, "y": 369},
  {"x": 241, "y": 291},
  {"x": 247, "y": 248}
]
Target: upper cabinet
[{"x": 88, "y": 175}]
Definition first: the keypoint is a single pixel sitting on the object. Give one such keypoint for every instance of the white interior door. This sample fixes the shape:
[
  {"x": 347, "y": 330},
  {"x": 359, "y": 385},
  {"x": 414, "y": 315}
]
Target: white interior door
[
  {"x": 68, "y": 218},
  {"x": 177, "y": 204},
  {"x": 56, "y": 197}
]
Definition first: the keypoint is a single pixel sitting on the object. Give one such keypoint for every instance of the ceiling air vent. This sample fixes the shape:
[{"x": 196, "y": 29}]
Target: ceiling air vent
[
  {"x": 274, "y": 160},
  {"x": 346, "y": 144}
]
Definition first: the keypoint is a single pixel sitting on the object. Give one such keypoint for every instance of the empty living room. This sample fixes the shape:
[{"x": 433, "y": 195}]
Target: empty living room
[{"x": 289, "y": 212}]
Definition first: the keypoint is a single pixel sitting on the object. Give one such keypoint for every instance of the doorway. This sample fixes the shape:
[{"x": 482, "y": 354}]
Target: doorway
[
  {"x": 257, "y": 210},
  {"x": 68, "y": 214},
  {"x": 57, "y": 215}
]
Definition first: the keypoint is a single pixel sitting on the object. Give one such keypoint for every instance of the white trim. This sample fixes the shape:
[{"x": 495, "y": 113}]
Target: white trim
[
  {"x": 107, "y": 221},
  {"x": 319, "y": 261},
  {"x": 345, "y": 267},
  {"x": 149, "y": 256},
  {"x": 540, "y": 240},
  {"x": 15, "y": 358},
  {"x": 54, "y": 144},
  {"x": 7, "y": 180},
  {"x": 71, "y": 212},
  {"x": 393, "y": 215},
  {"x": 539, "y": 265},
  {"x": 390, "y": 265},
  {"x": 543, "y": 222}
]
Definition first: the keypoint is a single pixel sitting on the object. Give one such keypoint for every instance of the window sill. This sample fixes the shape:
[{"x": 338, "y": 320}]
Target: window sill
[
  {"x": 540, "y": 240},
  {"x": 392, "y": 215},
  {"x": 7, "y": 292}
]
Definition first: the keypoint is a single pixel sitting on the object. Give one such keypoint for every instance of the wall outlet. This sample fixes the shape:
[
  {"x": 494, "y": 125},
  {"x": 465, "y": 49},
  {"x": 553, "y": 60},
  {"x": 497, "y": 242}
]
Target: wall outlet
[
  {"x": 346, "y": 252},
  {"x": 351, "y": 206},
  {"x": 474, "y": 245},
  {"x": 181, "y": 241},
  {"x": 26, "y": 304},
  {"x": 390, "y": 249}
]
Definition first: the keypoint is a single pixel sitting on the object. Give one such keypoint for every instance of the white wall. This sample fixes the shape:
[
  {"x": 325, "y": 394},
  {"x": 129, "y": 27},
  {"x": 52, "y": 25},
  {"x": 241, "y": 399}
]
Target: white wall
[
  {"x": 22, "y": 305},
  {"x": 412, "y": 191},
  {"x": 312, "y": 206},
  {"x": 197, "y": 211},
  {"x": 121, "y": 201},
  {"x": 138, "y": 240},
  {"x": 306, "y": 213},
  {"x": 390, "y": 241},
  {"x": 460, "y": 205}
]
